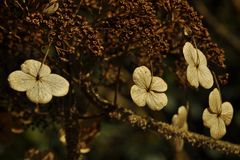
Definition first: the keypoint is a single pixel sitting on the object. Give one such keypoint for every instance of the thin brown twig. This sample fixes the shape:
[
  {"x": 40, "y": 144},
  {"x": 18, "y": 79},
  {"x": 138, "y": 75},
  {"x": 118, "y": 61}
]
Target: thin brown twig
[
  {"x": 117, "y": 86},
  {"x": 44, "y": 58}
]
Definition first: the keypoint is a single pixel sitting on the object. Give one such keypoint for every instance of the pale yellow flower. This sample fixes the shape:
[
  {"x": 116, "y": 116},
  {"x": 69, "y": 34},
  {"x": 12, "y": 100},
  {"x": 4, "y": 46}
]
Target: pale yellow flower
[
  {"x": 180, "y": 121},
  {"x": 148, "y": 89},
  {"x": 218, "y": 115},
  {"x": 197, "y": 70},
  {"x": 40, "y": 85}
]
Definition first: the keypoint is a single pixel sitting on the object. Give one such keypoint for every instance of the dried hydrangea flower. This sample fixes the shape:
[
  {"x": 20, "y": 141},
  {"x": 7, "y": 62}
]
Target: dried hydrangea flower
[
  {"x": 51, "y": 7},
  {"x": 180, "y": 121},
  {"x": 218, "y": 115},
  {"x": 197, "y": 70},
  {"x": 38, "y": 82},
  {"x": 148, "y": 89}
]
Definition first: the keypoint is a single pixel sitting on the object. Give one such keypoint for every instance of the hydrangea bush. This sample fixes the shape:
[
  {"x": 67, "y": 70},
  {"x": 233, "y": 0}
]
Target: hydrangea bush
[{"x": 85, "y": 62}]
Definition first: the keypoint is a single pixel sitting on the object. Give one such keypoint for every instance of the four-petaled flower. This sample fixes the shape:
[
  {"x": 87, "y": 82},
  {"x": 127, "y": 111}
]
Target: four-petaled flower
[
  {"x": 36, "y": 79},
  {"x": 148, "y": 89},
  {"x": 217, "y": 115},
  {"x": 180, "y": 121},
  {"x": 197, "y": 70}
]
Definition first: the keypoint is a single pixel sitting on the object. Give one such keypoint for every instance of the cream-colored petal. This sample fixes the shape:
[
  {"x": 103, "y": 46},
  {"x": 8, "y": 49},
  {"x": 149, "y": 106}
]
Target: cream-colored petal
[
  {"x": 142, "y": 77},
  {"x": 201, "y": 57},
  {"x": 58, "y": 85},
  {"x": 185, "y": 126},
  {"x": 32, "y": 66},
  {"x": 192, "y": 76},
  {"x": 182, "y": 115},
  {"x": 227, "y": 113},
  {"x": 208, "y": 118},
  {"x": 138, "y": 95},
  {"x": 158, "y": 84},
  {"x": 21, "y": 81},
  {"x": 205, "y": 77},
  {"x": 51, "y": 8},
  {"x": 175, "y": 120},
  {"x": 189, "y": 53},
  {"x": 156, "y": 101},
  {"x": 179, "y": 120},
  {"x": 215, "y": 101},
  {"x": 179, "y": 124},
  {"x": 218, "y": 129},
  {"x": 40, "y": 93}
]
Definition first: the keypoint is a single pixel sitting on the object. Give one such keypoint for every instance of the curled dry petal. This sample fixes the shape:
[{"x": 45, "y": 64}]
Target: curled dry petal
[
  {"x": 142, "y": 77},
  {"x": 58, "y": 85},
  {"x": 175, "y": 120},
  {"x": 215, "y": 101},
  {"x": 51, "y": 7},
  {"x": 182, "y": 113},
  {"x": 179, "y": 120},
  {"x": 32, "y": 67},
  {"x": 156, "y": 101},
  {"x": 227, "y": 113},
  {"x": 138, "y": 95},
  {"x": 21, "y": 81}
]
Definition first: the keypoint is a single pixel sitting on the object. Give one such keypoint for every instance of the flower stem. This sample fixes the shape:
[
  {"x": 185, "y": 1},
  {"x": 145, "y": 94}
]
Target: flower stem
[
  {"x": 195, "y": 44},
  {"x": 44, "y": 58},
  {"x": 217, "y": 84},
  {"x": 117, "y": 86}
]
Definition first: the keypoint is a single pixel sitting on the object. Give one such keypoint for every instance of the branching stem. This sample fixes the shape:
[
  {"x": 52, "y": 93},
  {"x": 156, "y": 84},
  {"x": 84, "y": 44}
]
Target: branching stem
[{"x": 165, "y": 129}]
